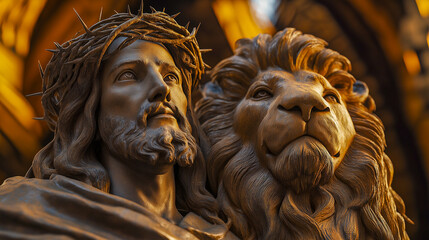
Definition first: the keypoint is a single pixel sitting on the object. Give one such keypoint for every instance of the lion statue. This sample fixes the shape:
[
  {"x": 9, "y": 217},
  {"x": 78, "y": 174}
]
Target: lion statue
[{"x": 296, "y": 151}]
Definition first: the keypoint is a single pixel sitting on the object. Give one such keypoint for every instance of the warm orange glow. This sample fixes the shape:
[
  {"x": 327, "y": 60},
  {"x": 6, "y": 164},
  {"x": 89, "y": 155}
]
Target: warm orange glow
[
  {"x": 17, "y": 105},
  {"x": 236, "y": 20},
  {"x": 423, "y": 6},
  {"x": 8, "y": 28},
  {"x": 412, "y": 62},
  {"x": 427, "y": 38},
  {"x": 27, "y": 25},
  {"x": 18, "y": 18},
  {"x": 383, "y": 26},
  {"x": 11, "y": 67},
  {"x": 24, "y": 140}
]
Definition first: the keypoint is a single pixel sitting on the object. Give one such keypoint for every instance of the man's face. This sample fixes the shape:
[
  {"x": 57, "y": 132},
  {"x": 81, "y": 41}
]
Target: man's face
[
  {"x": 142, "y": 117},
  {"x": 142, "y": 73}
]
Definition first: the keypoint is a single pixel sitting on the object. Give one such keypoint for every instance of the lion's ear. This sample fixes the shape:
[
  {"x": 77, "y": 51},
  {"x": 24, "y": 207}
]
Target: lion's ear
[
  {"x": 361, "y": 92},
  {"x": 212, "y": 89}
]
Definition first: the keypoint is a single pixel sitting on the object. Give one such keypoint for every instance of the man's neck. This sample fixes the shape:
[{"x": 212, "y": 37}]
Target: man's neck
[{"x": 156, "y": 192}]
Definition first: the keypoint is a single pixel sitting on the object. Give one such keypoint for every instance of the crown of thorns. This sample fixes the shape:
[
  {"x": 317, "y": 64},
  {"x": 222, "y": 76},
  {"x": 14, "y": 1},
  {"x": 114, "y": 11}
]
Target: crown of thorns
[{"x": 70, "y": 58}]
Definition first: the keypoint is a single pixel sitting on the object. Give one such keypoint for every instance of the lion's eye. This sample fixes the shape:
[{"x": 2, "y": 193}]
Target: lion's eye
[
  {"x": 261, "y": 93},
  {"x": 171, "y": 78},
  {"x": 127, "y": 76},
  {"x": 331, "y": 98}
]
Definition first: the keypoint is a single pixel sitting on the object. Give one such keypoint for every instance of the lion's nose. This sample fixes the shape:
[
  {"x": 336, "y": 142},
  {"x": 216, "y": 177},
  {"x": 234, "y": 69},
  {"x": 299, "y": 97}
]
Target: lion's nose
[{"x": 305, "y": 102}]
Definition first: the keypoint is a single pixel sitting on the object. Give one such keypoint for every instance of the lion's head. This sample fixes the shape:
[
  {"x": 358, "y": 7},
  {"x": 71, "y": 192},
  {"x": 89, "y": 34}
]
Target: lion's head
[{"x": 296, "y": 151}]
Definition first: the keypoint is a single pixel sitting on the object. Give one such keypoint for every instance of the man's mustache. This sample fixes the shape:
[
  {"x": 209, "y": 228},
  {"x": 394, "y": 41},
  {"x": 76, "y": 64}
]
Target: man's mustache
[{"x": 148, "y": 110}]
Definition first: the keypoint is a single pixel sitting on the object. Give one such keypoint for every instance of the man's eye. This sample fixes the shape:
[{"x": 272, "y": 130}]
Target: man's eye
[
  {"x": 127, "y": 76},
  {"x": 332, "y": 98},
  {"x": 262, "y": 93},
  {"x": 171, "y": 78}
]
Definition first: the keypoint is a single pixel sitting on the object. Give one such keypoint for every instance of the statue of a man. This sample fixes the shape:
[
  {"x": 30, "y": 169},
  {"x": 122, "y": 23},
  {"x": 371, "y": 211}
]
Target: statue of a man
[{"x": 124, "y": 162}]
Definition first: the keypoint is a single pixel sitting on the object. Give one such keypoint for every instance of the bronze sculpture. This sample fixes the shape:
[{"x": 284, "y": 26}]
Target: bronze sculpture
[
  {"x": 118, "y": 98},
  {"x": 297, "y": 152}
]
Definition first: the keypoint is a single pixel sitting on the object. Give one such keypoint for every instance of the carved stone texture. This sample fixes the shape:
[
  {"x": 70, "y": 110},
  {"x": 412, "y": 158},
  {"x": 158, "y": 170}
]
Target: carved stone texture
[
  {"x": 118, "y": 99},
  {"x": 297, "y": 152}
]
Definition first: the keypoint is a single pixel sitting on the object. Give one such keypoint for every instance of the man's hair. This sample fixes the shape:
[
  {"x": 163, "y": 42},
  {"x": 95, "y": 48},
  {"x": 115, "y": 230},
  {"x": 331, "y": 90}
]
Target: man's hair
[{"x": 71, "y": 95}]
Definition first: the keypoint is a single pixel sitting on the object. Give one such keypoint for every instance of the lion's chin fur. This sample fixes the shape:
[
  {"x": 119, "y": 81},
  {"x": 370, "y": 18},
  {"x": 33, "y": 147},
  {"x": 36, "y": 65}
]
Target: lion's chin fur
[
  {"x": 303, "y": 165},
  {"x": 308, "y": 209}
]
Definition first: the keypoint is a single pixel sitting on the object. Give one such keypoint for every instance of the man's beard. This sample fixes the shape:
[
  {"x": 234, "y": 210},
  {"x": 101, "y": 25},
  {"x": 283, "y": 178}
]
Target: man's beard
[
  {"x": 135, "y": 143},
  {"x": 303, "y": 165}
]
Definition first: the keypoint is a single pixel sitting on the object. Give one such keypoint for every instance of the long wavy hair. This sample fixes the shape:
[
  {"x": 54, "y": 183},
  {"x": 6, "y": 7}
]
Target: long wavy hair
[
  {"x": 71, "y": 95},
  {"x": 357, "y": 202}
]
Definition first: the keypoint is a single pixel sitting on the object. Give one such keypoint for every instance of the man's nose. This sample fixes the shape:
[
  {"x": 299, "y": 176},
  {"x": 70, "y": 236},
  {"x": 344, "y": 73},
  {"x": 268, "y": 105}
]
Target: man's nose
[
  {"x": 303, "y": 101},
  {"x": 160, "y": 91}
]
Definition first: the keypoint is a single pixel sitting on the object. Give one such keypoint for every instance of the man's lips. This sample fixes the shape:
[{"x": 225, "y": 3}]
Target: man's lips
[{"x": 162, "y": 112}]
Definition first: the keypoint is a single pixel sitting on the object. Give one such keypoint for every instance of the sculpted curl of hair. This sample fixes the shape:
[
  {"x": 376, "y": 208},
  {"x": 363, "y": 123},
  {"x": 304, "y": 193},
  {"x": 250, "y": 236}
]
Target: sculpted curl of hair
[
  {"x": 258, "y": 206},
  {"x": 71, "y": 94}
]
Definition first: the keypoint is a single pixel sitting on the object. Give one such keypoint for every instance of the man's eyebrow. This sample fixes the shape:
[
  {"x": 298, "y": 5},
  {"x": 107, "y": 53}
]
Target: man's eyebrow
[
  {"x": 166, "y": 65},
  {"x": 143, "y": 63},
  {"x": 120, "y": 64}
]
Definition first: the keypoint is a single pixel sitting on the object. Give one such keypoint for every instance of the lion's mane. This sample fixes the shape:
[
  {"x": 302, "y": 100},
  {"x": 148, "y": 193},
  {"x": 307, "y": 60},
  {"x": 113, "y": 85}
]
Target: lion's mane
[{"x": 358, "y": 202}]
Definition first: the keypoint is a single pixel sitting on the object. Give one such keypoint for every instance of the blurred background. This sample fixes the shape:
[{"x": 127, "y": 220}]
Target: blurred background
[{"x": 386, "y": 40}]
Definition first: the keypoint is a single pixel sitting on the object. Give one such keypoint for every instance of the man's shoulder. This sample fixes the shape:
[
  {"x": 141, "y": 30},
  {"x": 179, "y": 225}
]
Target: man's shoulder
[
  {"x": 71, "y": 209},
  {"x": 31, "y": 190},
  {"x": 18, "y": 181},
  {"x": 17, "y": 188},
  {"x": 31, "y": 207}
]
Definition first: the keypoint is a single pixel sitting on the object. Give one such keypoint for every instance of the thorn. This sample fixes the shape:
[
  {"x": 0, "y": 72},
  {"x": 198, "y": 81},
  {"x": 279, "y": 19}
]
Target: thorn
[
  {"x": 163, "y": 10},
  {"x": 58, "y": 46},
  {"x": 175, "y": 15},
  {"x": 205, "y": 50},
  {"x": 195, "y": 30},
  {"x": 187, "y": 25},
  {"x": 52, "y": 50},
  {"x": 38, "y": 118},
  {"x": 116, "y": 12},
  {"x": 129, "y": 10},
  {"x": 141, "y": 9},
  {"x": 34, "y": 94},
  {"x": 198, "y": 28},
  {"x": 101, "y": 13},
  {"x": 82, "y": 22},
  {"x": 42, "y": 74},
  {"x": 153, "y": 9}
]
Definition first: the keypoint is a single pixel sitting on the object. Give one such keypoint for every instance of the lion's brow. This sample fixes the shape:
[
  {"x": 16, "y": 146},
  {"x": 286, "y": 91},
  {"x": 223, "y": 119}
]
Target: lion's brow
[
  {"x": 271, "y": 78},
  {"x": 312, "y": 77},
  {"x": 309, "y": 77}
]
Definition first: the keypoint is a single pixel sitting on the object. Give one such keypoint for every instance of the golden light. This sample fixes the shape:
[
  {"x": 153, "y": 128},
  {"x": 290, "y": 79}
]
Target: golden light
[
  {"x": 412, "y": 62},
  {"x": 10, "y": 67},
  {"x": 16, "y": 104},
  {"x": 20, "y": 134},
  {"x": 427, "y": 39},
  {"x": 8, "y": 26},
  {"x": 236, "y": 20},
  {"x": 27, "y": 24},
  {"x": 423, "y": 6}
]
